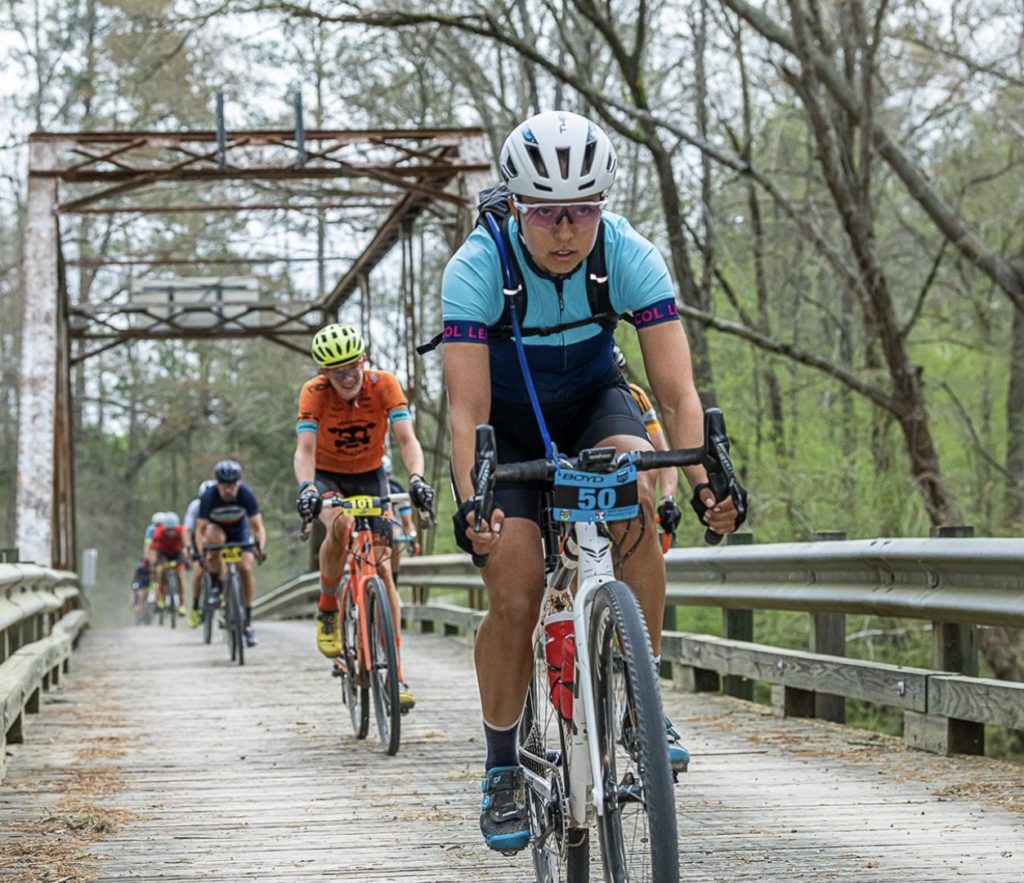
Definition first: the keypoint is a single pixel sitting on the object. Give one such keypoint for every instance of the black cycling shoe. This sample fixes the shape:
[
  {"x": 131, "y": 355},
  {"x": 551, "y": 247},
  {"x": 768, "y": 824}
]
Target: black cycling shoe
[{"x": 503, "y": 818}]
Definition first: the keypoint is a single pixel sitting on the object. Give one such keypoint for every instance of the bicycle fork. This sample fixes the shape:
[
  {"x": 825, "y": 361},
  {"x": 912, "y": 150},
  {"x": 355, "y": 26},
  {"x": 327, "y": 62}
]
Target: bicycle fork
[{"x": 595, "y": 569}]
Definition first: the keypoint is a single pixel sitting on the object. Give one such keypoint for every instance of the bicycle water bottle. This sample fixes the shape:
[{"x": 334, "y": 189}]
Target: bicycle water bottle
[{"x": 560, "y": 653}]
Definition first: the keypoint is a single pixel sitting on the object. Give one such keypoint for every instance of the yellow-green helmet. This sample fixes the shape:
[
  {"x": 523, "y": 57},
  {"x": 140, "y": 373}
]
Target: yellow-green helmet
[{"x": 337, "y": 345}]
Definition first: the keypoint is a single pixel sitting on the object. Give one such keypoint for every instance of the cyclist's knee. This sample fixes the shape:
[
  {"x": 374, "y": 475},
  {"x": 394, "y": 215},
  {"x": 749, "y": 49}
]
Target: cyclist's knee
[
  {"x": 514, "y": 608},
  {"x": 340, "y": 527}
]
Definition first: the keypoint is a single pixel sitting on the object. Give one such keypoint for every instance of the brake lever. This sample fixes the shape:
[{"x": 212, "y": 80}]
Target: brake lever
[
  {"x": 721, "y": 475},
  {"x": 483, "y": 476}
]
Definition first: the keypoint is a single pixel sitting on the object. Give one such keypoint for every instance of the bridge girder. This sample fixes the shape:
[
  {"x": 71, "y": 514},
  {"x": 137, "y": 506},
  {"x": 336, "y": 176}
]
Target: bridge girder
[{"x": 406, "y": 171}]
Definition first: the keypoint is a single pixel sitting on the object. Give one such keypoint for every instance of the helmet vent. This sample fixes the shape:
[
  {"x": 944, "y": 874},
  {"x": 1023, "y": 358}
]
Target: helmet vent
[
  {"x": 563, "y": 162},
  {"x": 588, "y": 157},
  {"x": 587, "y": 184},
  {"x": 537, "y": 160}
]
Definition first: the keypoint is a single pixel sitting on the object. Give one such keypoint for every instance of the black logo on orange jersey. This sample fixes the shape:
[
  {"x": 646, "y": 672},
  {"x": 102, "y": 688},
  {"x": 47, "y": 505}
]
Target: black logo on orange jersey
[{"x": 357, "y": 436}]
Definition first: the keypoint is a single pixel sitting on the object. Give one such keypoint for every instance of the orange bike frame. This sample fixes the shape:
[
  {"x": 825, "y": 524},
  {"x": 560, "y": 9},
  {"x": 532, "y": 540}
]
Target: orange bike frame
[{"x": 362, "y": 566}]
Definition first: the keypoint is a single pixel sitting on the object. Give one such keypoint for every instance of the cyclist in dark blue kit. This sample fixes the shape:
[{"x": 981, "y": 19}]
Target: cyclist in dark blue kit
[
  {"x": 577, "y": 269},
  {"x": 229, "y": 513}
]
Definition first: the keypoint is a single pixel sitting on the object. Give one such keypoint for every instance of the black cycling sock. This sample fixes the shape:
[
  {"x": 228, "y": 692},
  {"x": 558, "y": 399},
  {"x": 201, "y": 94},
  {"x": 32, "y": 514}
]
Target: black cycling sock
[
  {"x": 501, "y": 746},
  {"x": 248, "y": 616}
]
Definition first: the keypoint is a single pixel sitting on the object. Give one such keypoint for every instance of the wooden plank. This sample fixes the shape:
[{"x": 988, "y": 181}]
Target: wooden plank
[
  {"x": 895, "y": 685},
  {"x": 983, "y": 700}
]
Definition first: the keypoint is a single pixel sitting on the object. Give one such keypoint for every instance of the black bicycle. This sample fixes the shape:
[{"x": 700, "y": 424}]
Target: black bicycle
[
  {"x": 210, "y": 602},
  {"x": 234, "y": 608}
]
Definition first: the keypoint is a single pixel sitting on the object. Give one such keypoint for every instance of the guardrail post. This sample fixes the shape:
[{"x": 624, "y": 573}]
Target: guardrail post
[
  {"x": 739, "y": 626},
  {"x": 954, "y": 649},
  {"x": 828, "y": 635}
]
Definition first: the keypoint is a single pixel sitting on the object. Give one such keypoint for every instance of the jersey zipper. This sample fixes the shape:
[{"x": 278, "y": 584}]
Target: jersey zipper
[{"x": 559, "y": 282}]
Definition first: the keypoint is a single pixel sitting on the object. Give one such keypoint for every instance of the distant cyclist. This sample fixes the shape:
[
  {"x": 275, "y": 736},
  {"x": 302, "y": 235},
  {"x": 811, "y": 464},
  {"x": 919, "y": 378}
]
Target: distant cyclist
[
  {"x": 190, "y": 520},
  {"x": 140, "y": 587},
  {"x": 344, "y": 416},
  {"x": 230, "y": 513},
  {"x": 167, "y": 546},
  {"x": 669, "y": 514}
]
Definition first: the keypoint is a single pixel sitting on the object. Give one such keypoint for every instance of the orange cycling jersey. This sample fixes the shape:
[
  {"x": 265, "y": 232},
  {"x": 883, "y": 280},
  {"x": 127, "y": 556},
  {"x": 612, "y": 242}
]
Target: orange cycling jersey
[
  {"x": 350, "y": 435},
  {"x": 650, "y": 416}
]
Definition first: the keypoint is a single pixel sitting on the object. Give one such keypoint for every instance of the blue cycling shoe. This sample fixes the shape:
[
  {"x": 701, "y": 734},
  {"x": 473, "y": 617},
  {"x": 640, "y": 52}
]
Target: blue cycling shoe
[
  {"x": 503, "y": 818},
  {"x": 678, "y": 756}
]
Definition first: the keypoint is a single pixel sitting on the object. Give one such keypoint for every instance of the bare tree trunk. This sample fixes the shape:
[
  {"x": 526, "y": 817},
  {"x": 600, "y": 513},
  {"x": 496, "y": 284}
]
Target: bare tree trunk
[{"x": 1015, "y": 425}]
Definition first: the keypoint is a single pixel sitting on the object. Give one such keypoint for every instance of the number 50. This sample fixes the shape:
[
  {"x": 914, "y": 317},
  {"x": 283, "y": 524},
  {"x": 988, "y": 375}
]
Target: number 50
[{"x": 596, "y": 498}]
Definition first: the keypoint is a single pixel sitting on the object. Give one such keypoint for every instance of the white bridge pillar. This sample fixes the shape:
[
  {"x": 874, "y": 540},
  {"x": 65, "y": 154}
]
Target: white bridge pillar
[{"x": 40, "y": 343}]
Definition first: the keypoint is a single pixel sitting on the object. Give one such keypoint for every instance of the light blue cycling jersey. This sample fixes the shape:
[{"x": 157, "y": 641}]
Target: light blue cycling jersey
[{"x": 570, "y": 362}]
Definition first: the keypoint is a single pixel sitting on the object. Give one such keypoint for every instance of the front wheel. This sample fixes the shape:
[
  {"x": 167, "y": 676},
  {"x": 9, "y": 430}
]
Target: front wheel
[
  {"x": 638, "y": 824},
  {"x": 543, "y": 755},
  {"x": 173, "y": 596},
  {"x": 207, "y": 607},
  {"x": 383, "y": 665},
  {"x": 236, "y": 618}
]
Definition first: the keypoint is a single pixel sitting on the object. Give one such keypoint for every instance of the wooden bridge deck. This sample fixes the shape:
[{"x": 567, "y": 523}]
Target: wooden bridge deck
[{"x": 157, "y": 760}]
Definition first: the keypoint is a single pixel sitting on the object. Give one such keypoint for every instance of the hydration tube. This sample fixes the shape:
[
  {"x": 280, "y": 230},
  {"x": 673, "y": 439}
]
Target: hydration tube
[{"x": 517, "y": 335}]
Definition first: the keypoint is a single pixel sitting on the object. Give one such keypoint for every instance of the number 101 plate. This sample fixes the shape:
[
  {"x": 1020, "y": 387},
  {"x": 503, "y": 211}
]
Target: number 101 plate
[{"x": 595, "y": 496}]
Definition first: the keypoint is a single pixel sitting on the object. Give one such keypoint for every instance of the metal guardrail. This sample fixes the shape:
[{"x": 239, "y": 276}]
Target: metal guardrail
[
  {"x": 955, "y": 583},
  {"x": 40, "y": 622}
]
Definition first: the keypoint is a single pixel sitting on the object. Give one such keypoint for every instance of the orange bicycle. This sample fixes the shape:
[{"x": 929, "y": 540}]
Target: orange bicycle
[{"x": 369, "y": 665}]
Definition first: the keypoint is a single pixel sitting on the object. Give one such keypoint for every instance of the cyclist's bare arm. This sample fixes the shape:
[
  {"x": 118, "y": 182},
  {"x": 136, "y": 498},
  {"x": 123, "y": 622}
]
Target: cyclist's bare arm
[
  {"x": 467, "y": 370},
  {"x": 668, "y": 478},
  {"x": 258, "y": 530},
  {"x": 666, "y": 354},
  {"x": 409, "y": 446},
  {"x": 304, "y": 461},
  {"x": 672, "y": 382}
]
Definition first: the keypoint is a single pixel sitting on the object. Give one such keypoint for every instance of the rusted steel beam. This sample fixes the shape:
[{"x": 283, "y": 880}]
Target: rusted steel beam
[
  {"x": 218, "y": 207},
  {"x": 93, "y": 263},
  {"x": 139, "y": 180},
  {"x": 255, "y": 136},
  {"x": 410, "y": 207}
]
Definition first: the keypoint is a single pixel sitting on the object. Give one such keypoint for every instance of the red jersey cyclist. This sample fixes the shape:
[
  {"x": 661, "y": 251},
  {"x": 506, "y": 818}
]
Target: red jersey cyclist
[{"x": 167, "y": 544}]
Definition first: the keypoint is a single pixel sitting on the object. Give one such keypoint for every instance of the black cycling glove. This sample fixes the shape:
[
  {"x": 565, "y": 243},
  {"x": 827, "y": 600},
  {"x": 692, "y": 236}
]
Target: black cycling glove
[
  {"x": 421, "y": 494},
  {"x": 669, "y": 515},
  {"x": 461, "y": 525},
  {"x": 309, "y": 503}
]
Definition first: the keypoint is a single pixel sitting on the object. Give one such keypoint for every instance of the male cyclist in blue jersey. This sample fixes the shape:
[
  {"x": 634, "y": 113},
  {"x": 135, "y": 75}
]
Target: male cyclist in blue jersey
[
  {"x": 229, "y": 513},
  {"x": 581, "y": 267}
]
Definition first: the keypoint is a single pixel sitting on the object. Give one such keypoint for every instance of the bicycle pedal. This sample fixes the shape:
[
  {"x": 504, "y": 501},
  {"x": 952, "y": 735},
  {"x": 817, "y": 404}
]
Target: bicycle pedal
[{"x": 339, "y": 669}]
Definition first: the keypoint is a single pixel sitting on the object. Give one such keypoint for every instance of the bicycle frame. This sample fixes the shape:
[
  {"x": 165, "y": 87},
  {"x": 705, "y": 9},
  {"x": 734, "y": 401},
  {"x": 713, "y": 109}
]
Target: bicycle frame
[
  {"x": 361, "y": 566},
  {"x": 594, "y": 570}
]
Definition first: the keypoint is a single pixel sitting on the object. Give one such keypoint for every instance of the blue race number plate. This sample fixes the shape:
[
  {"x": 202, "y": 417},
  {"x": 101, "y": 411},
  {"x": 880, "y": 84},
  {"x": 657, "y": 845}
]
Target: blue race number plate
[{"x": 595, "y": 496}]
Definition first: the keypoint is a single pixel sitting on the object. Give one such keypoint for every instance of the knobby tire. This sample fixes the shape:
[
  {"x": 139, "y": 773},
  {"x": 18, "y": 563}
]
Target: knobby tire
[
  {"x": 353, "y": 684},
  {"x": 383, "y": 666},
  {"x": 236, "y": 618},
  {"x": 638, "y": 826}
]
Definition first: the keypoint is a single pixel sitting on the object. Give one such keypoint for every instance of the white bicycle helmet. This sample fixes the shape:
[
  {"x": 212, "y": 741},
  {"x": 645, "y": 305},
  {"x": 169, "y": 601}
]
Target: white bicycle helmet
[{"x": 557, "y": 155}]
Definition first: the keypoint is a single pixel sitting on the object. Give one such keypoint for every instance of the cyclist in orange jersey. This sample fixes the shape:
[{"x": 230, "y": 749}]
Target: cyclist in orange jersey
[{"x": 344, "y": 416}]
